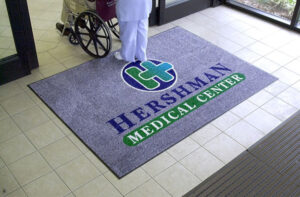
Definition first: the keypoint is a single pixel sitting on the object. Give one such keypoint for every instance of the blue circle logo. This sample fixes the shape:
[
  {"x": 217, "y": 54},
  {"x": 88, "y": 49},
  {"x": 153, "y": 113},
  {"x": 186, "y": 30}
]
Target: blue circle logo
[{"x": 151, "y": 75}]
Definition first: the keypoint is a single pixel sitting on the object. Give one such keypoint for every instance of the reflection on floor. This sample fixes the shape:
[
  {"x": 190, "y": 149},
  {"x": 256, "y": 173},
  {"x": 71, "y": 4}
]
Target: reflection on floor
[{"x": 39, "y": 156}]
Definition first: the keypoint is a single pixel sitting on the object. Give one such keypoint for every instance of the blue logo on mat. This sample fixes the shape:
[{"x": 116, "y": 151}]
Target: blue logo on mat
[{"x": 149, "y": 75}]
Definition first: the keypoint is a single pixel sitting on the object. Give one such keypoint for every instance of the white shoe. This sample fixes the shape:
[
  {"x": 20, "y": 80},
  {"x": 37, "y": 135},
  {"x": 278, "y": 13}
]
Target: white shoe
[{"x": 118, "y": 55}]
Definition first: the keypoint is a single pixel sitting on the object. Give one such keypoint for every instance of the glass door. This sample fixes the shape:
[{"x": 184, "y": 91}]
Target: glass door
[
  {"x": 281, "y": 9},
  {"x": 283, "y": 12},
  {"x": 7, "y": 46},
  {"x": 170, "y": 10},
  {"x": 298, "y": 22},
  {"x": 173, "y": 2}
]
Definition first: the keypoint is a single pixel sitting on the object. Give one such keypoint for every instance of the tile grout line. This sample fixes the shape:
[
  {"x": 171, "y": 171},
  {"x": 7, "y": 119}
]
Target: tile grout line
[
  {"x": 15, "y": 179},
  {"x": 202, "y": 146},
  {"x": 259, "y": 107},
  {"x": 23, "y": 133},
  {"x": 102, "y": 174}
]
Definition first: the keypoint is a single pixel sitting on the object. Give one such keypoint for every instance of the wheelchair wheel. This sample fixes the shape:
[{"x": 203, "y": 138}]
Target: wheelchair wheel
[
  {"x": 72, "y": 38},
  {"x": 93, "y": 34},
  {"x": 114, "y": 27}
]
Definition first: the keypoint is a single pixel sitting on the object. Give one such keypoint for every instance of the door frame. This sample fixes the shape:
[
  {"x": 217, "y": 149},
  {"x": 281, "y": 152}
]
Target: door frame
[
  {"x": 20, "y": 64},
  {"x": 181, "y": 9}
]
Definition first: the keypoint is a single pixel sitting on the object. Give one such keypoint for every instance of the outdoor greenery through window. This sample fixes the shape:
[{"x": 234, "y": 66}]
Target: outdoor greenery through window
[{"x": 280, "y": 8}]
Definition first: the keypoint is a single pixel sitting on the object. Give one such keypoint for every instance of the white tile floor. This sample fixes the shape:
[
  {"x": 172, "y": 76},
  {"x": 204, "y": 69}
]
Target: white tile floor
[{"x": 40, "y": 156}]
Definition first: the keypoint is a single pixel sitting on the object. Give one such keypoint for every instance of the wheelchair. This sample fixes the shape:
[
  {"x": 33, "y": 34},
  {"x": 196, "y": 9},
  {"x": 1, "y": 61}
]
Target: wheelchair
[{"x": 92, "y": 28}]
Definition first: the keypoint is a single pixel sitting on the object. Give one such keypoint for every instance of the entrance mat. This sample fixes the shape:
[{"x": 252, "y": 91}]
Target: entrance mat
[
  {"x": 128, "y": 114},
  {"x": 269, "y": 168}
]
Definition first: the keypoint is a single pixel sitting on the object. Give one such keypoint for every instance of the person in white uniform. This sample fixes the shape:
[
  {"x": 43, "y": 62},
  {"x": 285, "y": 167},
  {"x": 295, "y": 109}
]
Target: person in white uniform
[{"x": 133, "y": 22}]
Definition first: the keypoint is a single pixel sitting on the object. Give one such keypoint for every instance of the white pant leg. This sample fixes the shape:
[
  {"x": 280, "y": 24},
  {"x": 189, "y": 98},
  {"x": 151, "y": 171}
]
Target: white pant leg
[
  {"x": 128, "y": 36},
  {"x": 65, "y": 12},
  {"x": 142, "y": 40}
]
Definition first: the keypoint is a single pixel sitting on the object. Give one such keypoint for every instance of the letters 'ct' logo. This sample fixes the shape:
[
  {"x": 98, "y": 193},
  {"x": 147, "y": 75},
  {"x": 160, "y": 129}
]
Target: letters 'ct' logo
[{"x": 151, "y": 75}]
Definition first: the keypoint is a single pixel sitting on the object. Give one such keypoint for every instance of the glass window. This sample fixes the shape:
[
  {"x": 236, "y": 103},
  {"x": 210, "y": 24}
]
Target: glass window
[
  {"x": 174, "y": 2},
  {"x": 298, "y": 24},
  {"x": 7, "y": 46},
  {"x": 280, "y": 8}
]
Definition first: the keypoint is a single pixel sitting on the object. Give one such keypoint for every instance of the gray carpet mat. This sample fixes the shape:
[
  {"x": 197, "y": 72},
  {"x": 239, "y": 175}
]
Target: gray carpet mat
[
  {"x": 128, "y": 114},
  {"x": 269, "y": 168}
]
